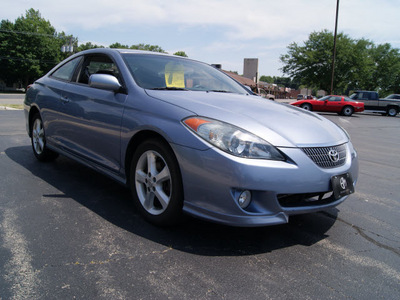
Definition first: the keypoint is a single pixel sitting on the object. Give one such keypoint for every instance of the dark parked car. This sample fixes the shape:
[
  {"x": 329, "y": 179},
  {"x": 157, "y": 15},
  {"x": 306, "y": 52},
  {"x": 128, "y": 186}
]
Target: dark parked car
[
  {"x": 393, "y": 97},
  {"x": 185, "y": 137},
  {"x": 338, "y": 104}
]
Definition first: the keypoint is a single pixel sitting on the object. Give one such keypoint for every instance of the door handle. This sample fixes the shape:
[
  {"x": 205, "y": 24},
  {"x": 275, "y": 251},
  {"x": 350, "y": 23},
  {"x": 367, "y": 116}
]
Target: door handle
[{"x": 65, "y": 100}]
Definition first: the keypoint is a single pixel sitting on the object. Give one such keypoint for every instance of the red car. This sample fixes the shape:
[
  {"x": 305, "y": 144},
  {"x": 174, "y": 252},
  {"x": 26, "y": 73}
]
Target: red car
[{"x": 338, "y": 104}]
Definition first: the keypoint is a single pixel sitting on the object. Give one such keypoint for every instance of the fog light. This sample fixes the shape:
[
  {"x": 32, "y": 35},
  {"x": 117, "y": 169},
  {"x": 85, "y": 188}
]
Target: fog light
[{"x": 244, "y": 199}]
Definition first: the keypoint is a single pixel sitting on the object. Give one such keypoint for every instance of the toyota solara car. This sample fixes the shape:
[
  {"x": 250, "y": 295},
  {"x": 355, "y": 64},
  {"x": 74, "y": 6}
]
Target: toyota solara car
[
  {"x": 186, "y": 138},
  {"x": 338, "y": 104}
]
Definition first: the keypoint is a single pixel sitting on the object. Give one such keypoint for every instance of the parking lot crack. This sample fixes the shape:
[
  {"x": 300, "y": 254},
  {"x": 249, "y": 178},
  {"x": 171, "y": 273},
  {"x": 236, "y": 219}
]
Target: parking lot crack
[{"x": 362, "y": 233}]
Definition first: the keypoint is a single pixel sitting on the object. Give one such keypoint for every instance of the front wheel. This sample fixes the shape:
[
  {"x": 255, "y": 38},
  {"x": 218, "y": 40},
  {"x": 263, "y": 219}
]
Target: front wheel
[
  {"x": 156, "y": 183},
  {"x": 347, "y": 111},
  {"x": 38, "y": 140},
  {"x": 306, "y": 106},
  {"x": 392, "y": 111}
]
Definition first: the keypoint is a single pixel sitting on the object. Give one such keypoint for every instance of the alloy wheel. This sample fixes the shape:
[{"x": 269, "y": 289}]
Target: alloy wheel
[
  {"x": 153, "y": 182},
  {"x": 38, "y": 136}
]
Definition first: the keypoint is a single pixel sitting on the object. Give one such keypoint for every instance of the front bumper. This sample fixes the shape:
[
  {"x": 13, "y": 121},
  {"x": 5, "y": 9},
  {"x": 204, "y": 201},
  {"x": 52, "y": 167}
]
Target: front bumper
[{"x": 212, "y": 181}]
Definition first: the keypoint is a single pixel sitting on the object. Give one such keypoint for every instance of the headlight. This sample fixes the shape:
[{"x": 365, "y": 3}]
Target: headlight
[{"x": 232, "y": 139}]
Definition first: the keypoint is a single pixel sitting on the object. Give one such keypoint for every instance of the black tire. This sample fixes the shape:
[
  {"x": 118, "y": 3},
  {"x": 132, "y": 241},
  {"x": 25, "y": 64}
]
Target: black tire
[
  {"x": 38, "y": 140},
  {"x": 392, "y": 111},
  {"x": 347, "y": 111},
  {"x": 156, "y": 183},
  {"x": 306, "y": 106}
]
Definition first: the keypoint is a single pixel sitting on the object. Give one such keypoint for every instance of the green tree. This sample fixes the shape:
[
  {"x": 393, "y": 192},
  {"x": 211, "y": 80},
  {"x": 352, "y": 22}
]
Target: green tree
[
  {"x": 268, "y": 79},
  {"x": 119, "y": 46},
  {"x": 29, "y": 48},
  {"x": 144, "y": 47},
  {"x": 147, "y": 47},
  {"x": 281, "y": 81},
  {"x": 359, "y": 64},
  {"x": 310, "y": 64},
  {"x": 181, "y": 53},
  {"x": 387, "y": 69},
  {"x": 363, "y": 66},
  {"x": 89, "y": 45}
]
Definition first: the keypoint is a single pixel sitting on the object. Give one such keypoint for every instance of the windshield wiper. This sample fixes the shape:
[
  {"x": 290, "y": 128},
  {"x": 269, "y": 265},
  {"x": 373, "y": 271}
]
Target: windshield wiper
[
  {"x": 219, "y": 91},
  {"x": 169, "y": 88}
]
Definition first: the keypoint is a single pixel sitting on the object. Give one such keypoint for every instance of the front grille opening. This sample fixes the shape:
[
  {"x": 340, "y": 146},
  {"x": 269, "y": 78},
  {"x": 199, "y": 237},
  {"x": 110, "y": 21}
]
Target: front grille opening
[
  {"x": 321, "y": 156},
  {"x": 304, "y": 200}
]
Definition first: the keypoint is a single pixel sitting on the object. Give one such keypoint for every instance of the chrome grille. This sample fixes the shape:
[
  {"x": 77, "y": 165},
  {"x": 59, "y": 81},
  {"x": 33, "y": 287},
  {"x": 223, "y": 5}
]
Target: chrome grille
[{"x": 323, "y": 157}]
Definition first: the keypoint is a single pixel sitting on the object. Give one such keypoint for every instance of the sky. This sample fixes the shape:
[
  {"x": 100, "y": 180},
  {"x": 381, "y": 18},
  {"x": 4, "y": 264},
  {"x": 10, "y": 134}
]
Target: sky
[{"x": 215, "y": 31}]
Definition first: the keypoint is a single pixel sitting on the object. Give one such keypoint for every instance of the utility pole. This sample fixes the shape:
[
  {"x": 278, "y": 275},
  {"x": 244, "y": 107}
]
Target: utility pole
[{"x": 334, "y": 46}]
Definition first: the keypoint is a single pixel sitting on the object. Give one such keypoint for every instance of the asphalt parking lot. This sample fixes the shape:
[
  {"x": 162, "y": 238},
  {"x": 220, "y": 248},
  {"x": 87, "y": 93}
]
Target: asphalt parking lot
[{"x": 67, "y": 232}]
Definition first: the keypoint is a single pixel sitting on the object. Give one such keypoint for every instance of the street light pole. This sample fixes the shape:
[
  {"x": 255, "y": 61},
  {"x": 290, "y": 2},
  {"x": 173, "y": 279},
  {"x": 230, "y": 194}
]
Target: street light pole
[{"x": 334, "y": 46}]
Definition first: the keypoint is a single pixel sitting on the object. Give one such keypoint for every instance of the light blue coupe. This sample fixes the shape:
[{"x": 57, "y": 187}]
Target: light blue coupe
[{"x": 186, "y": 138}]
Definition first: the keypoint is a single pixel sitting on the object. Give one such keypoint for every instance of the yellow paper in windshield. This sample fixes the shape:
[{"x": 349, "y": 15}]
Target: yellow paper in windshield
[{"x": 174, "y": 75}]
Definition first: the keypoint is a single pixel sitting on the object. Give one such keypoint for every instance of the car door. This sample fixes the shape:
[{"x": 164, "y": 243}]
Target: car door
[
  {"x": 318, "y": 105},
  {"x": 370, "y": 100},
  {"x": 92, "y": 121},
  {"x": 50, "y": 99},
  {"x": 334, "y": 104}
]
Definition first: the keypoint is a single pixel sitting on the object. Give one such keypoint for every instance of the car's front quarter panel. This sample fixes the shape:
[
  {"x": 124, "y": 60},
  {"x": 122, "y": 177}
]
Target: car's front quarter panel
[{"x": 213, "y": 179}]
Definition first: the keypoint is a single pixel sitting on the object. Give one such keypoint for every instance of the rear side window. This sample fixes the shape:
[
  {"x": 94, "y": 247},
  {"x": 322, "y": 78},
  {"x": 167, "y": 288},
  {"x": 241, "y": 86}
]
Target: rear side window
[
  {"x": 373, "y": 96},
  {"x": 66, "y": 71},
  {"x": 363, "y": 96}
]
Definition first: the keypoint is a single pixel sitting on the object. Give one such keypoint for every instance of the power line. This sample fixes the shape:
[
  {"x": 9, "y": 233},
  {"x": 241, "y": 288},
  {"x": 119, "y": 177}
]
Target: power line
[
  {"x": 65, "y": 48},
  {"x": 27, "y": 59},
  {"x": 36, "y": 33}
]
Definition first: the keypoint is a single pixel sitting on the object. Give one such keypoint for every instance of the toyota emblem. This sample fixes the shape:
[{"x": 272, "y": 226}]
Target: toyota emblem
[
  {"x": 343, "y": 183},
  {"x": 333, "y": 155}
]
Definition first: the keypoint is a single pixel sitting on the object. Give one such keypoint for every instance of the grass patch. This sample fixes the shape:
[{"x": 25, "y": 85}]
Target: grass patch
[{"x": 13, "y": 106}]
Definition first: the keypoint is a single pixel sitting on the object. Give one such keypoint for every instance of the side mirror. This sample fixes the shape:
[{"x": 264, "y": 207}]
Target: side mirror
[{"x": 104, "y": 82}]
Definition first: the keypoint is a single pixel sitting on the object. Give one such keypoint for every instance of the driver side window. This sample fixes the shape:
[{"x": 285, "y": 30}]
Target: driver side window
[{"x": 98, "y": 64}]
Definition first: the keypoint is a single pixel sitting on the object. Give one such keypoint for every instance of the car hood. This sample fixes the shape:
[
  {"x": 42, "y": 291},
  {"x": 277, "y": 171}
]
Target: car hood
[{"x": 280, "y": 124}]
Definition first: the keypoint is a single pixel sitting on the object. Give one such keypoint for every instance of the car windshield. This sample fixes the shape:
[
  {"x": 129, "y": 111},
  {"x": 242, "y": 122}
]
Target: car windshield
[
  {"x": 159, "y": 72},
  {"x": 393, "y": 96},
  {"x": 352, "y": 96}
]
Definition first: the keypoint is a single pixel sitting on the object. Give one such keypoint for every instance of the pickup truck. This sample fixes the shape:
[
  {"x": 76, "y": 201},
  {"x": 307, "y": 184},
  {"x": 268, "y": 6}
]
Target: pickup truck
[
  {"x": 387, "y": 106},
  {"x": 265, "y": 95}
]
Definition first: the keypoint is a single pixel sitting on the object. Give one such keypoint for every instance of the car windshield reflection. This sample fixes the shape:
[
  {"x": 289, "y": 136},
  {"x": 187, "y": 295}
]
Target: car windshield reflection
[{"x": 170, "y": 73}]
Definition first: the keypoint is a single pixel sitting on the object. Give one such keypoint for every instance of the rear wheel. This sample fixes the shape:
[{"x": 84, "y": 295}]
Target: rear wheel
[
  {"x": 38, "y": 140},
  {"x": 306, "y": 106},
  {"x": 347, "y": 111},
  {"x": 156, "y": 183}
]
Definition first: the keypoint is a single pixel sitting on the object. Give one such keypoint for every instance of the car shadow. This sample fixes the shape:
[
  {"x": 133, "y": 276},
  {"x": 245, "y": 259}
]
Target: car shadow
[
  {"x": 354, "y": 115},
  {"x": 113, "y": 202},
  {"x": 377, "y": 113}
]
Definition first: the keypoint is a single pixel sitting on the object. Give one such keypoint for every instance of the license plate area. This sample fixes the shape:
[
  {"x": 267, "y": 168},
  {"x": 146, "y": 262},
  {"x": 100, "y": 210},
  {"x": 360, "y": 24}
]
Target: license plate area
[{"x": 342, "y": 185}]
